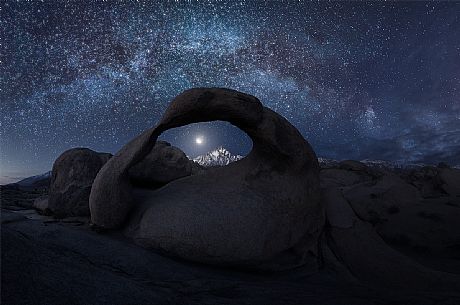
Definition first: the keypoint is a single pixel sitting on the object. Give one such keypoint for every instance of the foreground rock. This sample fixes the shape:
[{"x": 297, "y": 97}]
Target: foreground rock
[
  {"x": 356, "y": 244},
  {"x": 72, "y": 176},
  {"x": 415, "y": 210},
  {"x": 384, "y": 243},
  {"x": 53, "y": 263},
  {"x": 262, "y": 211}
]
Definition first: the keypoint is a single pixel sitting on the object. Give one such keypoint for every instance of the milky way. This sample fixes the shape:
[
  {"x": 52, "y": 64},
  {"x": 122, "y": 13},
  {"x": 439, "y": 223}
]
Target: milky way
[{"x": 359, "y": 80}]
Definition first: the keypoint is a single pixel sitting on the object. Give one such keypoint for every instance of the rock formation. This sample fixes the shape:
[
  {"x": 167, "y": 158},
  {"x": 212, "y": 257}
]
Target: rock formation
[
  {"x": 72, "y": 176},
  {"x": 163, "y": 164},
  {"x": 391, "y": 236},
  {"x": 368, "y": 209},
  {"x": 263, "y": 211}
]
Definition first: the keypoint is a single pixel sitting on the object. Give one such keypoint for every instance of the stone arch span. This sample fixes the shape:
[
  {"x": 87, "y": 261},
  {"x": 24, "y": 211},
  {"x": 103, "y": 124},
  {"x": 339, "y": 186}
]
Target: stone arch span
[{"x": 262, "y": 211}]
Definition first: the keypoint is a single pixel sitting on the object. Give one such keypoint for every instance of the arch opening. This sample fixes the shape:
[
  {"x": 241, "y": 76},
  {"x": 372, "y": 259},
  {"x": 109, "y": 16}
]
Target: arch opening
[
  {"x": 189, "y": 150},
  {"x": 198, "y": 139}
]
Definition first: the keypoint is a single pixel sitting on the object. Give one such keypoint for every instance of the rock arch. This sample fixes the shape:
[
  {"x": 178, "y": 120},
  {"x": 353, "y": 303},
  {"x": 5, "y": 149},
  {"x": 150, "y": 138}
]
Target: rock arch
[{"x": 263, "y": 211}]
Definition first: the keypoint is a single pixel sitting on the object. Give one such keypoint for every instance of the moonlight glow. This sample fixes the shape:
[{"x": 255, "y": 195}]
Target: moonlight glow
[{"x": 199, "y": 140}]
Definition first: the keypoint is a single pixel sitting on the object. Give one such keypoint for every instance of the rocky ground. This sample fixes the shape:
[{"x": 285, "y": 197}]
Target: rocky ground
[
  {"x": 415, "y": 210},
  {"x": 46, "y": 261},
  {"x": 14, "y": 198},
  {"x": 62, "y": 261}
]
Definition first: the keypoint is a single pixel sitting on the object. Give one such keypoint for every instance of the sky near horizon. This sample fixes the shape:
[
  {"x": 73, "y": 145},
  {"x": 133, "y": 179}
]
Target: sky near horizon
[{"x": 360, "y": 80}]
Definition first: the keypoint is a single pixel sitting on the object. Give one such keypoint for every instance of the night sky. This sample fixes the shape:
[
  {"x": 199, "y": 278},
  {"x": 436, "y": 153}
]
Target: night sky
[{"x": 359, "y": 80}]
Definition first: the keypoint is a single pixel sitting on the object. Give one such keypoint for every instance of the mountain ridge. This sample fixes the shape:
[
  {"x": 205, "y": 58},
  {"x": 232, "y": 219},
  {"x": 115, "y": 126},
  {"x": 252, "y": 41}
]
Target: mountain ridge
[
  {"x": 217, "y": 157},
  {"x": 32, "y": 180}
]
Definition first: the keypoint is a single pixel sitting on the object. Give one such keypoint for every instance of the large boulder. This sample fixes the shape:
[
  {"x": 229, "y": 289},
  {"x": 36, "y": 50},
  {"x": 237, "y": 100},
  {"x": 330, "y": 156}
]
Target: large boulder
[
  {"x": 72, "y": 176},
  {"x": 162, "y": 165},
  {"x": 261, "y": 212}
]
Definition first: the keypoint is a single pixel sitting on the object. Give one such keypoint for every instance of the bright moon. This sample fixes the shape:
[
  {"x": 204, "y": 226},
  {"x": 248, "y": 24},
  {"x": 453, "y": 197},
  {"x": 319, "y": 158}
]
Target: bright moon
[{"x": 199, "y": 140}]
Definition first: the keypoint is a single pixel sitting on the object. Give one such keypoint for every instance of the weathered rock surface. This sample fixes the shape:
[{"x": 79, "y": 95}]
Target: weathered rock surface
[
  {"x": 405, "y": 252},
  {"x": 427, "y": 180},
  {"x": 408, "y": 208},
  {"x": 72, "y": 176},
  {"x": 356, "y": 244},
  {"x": 53, "y": 263},
  {"x": 262, "y": 211},
  {"x": 373, "y": 201},
  {"x": 163, "y": 164}
]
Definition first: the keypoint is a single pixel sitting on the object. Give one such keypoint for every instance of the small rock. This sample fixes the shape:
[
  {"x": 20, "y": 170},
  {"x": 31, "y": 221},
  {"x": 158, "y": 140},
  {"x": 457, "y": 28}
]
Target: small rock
[{"x": 41, "y": 204}]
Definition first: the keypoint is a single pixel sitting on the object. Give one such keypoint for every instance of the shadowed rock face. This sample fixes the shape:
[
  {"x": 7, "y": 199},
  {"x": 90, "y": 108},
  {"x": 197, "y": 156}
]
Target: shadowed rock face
[
  {"x": 262, "y": 211},
  {"x": 72, "y": 176},
  {"x": 163, "y": 164},
  {"x": 357, "y": 244}
]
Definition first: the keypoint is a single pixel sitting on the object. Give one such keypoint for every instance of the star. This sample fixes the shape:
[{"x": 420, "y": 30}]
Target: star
[{"x": 349, "y": 76}]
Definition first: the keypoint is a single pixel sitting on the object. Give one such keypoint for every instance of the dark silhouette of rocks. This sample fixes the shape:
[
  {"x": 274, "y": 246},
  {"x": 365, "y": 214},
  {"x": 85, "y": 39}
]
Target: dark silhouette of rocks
[
  {"x": 162, "y": 165},
  {"x": 15, "y": 197},
  {"x": 369, "y": 209},
  {"x": 450, "y": 181},
  {"x": 262, "y": 211},
  {"x": 357, "y": 244},
  {"x": 72, "y": 176},
  {"x": 352, "y": 165}
]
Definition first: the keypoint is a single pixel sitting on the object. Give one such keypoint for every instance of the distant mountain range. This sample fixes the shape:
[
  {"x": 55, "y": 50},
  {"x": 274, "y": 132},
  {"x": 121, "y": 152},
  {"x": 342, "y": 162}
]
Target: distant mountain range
[
  {"x": 221, "y": 157},
  {"x": 34, "y": 182},
  {"x": 382, "y": 164},
  {"x": 217, "y": 157}
]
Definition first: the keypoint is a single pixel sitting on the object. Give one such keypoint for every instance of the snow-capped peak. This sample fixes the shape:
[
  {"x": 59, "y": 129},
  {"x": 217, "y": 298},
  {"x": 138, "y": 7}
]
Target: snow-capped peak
[
  {"x": 217, "y": 157},
  {"x": 34, "y": 179}
]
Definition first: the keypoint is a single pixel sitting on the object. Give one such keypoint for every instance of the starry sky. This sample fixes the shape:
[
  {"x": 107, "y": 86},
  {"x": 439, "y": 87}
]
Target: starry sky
[{"x": 360, "y": 80}]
